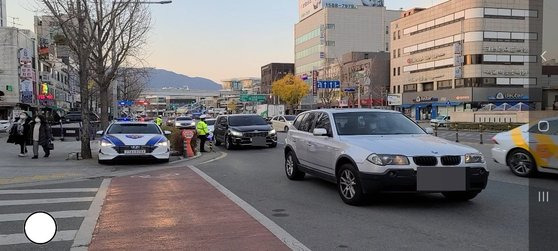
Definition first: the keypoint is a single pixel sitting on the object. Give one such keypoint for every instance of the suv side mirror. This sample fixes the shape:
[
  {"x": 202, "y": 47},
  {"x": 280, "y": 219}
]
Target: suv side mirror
[
  {"x": 319, "y": 132},
  {"x": 100, "y": 133}
]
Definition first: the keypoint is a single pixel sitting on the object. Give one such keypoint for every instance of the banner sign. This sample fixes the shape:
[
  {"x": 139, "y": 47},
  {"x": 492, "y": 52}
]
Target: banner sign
[{"x": 308, "y": 7}]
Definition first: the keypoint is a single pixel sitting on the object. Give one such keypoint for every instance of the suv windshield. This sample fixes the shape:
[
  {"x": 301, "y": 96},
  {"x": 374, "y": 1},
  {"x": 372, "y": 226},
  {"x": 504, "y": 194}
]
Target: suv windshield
[
  {"x": 246, "y": 120},
  {"x": 210, "y": 122},
  {"x": 374, "y": 123},
  {"x": 134, "y": 129}
]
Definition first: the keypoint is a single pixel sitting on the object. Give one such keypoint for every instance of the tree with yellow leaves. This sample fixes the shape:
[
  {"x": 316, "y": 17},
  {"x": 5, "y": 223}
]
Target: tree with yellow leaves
[
  {"x": 290, "y": 89},
  {"x": 231, "y": 106}
]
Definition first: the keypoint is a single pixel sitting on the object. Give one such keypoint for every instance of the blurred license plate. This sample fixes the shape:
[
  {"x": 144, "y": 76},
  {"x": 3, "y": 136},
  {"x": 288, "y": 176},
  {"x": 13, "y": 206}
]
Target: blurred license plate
[
  {"x": 259, "y": 141},
  {"x": 440, "y": 179},
  {"x": 134, "y": 151}
]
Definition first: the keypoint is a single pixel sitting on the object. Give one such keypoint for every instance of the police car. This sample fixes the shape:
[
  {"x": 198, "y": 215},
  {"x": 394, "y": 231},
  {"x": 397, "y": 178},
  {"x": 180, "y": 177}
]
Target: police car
[
  {"x": 529, "y": 148},
  {"x": 133, "y": 140}
]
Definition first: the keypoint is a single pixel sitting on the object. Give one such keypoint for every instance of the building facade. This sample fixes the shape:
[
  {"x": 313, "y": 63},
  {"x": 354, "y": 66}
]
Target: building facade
[
  {"x": 3, "y": 16},
  {"x": 329, "y": 29},
  {"x": 550, "y": 86},
  {"x": 273, "y": 72},
  {"x": 461, "y": 55},
  {"x": 249, "y": 85},
  {"x": 18, "y": 73}
]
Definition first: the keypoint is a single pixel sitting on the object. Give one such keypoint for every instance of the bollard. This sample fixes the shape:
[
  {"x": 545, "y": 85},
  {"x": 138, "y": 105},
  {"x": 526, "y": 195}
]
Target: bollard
[
  {"x": 456, "y": 133},
  {"x": 61, "y": 131},
  {"x": 481, "y": 129},
  {"x": 436, "y": 130}
]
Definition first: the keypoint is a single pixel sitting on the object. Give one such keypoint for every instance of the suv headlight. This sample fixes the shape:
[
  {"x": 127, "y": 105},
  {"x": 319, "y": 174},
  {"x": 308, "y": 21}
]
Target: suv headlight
[
  {"x": 106, "y": 143},
  {"x": 235, "y": 133},
  {"x": 388, "y": 160},
  {"x": 272, "y": 132},
  {"x": 474, "y": 158}
]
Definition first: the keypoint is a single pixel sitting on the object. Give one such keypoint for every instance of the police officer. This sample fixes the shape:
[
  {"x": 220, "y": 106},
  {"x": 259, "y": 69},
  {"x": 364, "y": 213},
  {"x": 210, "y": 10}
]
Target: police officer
[
  {"x": 203, "y": 131},
  {"x": 159, "y": 120}
]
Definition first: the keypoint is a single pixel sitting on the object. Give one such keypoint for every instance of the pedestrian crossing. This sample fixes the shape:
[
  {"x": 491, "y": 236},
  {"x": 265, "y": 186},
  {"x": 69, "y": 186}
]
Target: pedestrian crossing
[{"x": 69, "y": 206}]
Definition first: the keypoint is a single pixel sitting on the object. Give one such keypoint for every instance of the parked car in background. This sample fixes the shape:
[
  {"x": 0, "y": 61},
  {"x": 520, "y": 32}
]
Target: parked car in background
[
  {"x": 282, "y": 122},
  {"x": 184, "y": 122},
  {"x": 210, "y": 124},
  {"x": 170, "y": 121},
  {"x": 440, "y": 121},
  {"x": 244, "y": 130},
  {"x": 365, "y": 151},
  {"x": 4, "y": 125},
  {"x": 73, "y": 117},
  {"x": 529, "y": 149}
]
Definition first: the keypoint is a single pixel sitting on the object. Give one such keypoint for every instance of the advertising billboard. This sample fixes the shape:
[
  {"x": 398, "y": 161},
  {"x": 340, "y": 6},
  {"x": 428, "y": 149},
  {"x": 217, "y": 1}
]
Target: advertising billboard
[{"x": 308, "y": 7}]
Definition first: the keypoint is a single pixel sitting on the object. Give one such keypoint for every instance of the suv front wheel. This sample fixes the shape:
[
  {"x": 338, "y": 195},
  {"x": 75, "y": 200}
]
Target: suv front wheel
[{"x": 349, "y": 185}]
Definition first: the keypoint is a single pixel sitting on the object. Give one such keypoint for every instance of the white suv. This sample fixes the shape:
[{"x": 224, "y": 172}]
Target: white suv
[{"x": 365, "y": 151}]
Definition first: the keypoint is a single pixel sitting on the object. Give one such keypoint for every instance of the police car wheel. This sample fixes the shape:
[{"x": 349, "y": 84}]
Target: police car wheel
[{"x": 521, "y": 163}]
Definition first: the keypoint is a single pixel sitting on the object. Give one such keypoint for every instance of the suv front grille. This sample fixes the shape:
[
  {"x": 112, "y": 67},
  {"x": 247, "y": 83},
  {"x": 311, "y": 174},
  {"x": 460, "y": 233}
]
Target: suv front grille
[
  {"x": 451, "y": 160},
  {"x": 425, "y": 160},
  {"x": 255, "y": 134}
]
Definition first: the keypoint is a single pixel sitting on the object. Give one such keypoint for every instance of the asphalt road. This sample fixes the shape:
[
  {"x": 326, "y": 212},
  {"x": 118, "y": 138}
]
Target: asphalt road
[{"x": 311, "y": 210}]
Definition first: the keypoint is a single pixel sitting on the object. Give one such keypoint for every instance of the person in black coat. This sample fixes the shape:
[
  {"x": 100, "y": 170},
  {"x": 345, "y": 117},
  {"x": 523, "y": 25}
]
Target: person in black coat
[
  {"x": 19, "y": 133},
  {"x": 41, "y": 135}
]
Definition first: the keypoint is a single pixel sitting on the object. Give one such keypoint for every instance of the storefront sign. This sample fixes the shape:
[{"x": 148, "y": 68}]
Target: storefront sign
[
  {"x": 506, "y": 73},
  {"x": 463, "y": 97},
  {"x": 509, "y": 96},
  {"x": 505, "y": 49},
  {"x": 26, "y": 71},
  {"x": 395, "y": 99},
  {"x": 425, "y": 78},
  {"x": 420, "y": 99},
  {"x": 425, "y": 58},
  {"x": 24, "y": 56},
  {"x": 308, "y": 7}
]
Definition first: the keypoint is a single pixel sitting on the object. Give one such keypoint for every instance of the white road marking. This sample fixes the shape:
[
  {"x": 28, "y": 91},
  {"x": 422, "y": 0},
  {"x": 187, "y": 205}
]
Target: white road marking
[
  {"x": 279, "y": 232},
  {"x": 13, "y": 239},
  {"x": 85, "y": 232},
  {"x": 223, "y": 154},
  {"x": 56, "y": 215},
  {"x": 66, "y": 190},
  {"x": 43, "y": 201}
]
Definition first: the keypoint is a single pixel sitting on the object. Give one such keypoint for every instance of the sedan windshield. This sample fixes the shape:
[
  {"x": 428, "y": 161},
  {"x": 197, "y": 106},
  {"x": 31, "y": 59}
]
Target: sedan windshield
[
  {"x": 184, "y": 118},
  {"x": 374, "y": 123},
  {"x": 134, "y": 129},
  {"x": 246, "y": 120}
]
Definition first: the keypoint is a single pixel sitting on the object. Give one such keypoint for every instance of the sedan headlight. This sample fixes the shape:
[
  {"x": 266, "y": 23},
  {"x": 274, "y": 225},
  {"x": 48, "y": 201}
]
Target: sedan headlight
[
  {"x": 272, "y": 132},
  {"x": 193, "y": 123},
  {"x": 235, "y": 133},
  {"x": 106, "y": 143},
  {"x": 177, "y": 124},
  {"x": 474, "y": 158},
  {"x": 163, "y": 143},
  {"x": 388, "y": 159}
]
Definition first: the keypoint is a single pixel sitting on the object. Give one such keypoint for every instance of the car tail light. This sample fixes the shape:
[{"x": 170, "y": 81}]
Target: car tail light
[{"x": 494, "y": 140}]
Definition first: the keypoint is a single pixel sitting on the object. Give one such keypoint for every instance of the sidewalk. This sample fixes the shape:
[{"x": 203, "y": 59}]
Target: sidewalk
[{"x": 175, "y": 209}]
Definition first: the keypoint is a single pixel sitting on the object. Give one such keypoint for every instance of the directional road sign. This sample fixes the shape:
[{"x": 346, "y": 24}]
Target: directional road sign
[{"x": 329, "y": 84}]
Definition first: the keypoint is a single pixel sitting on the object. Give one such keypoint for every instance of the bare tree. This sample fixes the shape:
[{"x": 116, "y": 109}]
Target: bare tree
[
  {"x": 121, "y": 32},
  {"x": 74, "y": 18},
  {"x": 132, "y": 82}
]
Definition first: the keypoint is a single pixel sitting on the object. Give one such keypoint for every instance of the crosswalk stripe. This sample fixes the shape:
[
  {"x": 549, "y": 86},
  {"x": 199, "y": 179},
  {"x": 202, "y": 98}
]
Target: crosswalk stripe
[
  {"x": 56, "y": 215},
  {"x": 13, "y": 239},
  {"x": 43, "y": 201},
  {"x": 66, "y": 190}
]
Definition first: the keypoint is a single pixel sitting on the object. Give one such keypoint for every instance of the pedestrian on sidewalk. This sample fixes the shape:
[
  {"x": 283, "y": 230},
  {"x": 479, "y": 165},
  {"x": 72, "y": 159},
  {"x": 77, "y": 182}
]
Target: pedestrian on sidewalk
[
  {"x": 41, "y": 136},
  {"x": 203, "y": 130},
  {"x": 19, "y": 133}
]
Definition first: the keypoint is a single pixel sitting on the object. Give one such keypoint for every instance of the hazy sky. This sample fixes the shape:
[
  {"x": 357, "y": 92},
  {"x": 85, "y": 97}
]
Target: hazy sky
[{"x": 216, "y": 39}]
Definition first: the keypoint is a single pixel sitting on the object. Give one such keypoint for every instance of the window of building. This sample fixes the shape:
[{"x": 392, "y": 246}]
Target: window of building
[
  {"x": 394, "y": 55},
  {"x": 387, "y": 30},
  {"x": 459, "y": 83},
  {"x": 394, "y": 71},
  {"x": 398, "y": 71},
  {"x": 410, "y": 88},
  {"x": 444, "y": 84},
  {"x": 394, "y": 36},
  {"x": 312, "y": 34},
  {"x": 398, "y": 89},
  {"x": 398, "y": 52},
  {"x": 330, "y": 26},
  {"x": 428, "y": 86},
  {"x": 330, "y": 43},
  {"x": 398, "y": 34}
]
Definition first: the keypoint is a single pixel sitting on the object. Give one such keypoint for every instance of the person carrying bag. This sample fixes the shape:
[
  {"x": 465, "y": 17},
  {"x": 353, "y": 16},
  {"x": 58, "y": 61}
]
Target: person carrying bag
[{"x": 19, "y": 133}]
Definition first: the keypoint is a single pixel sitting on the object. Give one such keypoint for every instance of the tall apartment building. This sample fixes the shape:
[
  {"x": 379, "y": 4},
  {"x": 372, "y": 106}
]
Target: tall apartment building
[
  {"x": 463, "y": 54},
  {"x": 328, "y": 29}
]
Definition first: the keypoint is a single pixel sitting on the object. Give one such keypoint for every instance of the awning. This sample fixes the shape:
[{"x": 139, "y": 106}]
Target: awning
[
  {"x": 447, "y": 104},
  {"x": 422, "y": 105},
  {"x": 406, "y": 106}
]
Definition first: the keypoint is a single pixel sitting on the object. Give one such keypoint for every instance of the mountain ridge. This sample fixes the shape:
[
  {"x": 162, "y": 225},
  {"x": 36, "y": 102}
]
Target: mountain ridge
[{"x": 161, "y": 78}]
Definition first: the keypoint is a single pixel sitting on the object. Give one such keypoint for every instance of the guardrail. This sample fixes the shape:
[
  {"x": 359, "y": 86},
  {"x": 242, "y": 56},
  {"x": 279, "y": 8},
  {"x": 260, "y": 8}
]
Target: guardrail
[{"x": 481, "y": 128}]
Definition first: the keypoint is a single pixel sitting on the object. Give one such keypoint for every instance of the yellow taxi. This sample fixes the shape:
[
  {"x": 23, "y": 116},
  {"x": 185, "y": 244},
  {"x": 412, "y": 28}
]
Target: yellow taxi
[{"x": 529, "y": 148}]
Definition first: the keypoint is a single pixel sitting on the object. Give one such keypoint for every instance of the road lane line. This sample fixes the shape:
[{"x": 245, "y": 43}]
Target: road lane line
[
  {"x": 32, "y": 191},
  {"x": 279, "y": 232},
  {"x": 56, "y": 215},
  {"x": 14, "y": 239},
  {"x": 85, "y": 232},
  {"x": 43, "y": 201},
  {"x": 223, "y": 154}
]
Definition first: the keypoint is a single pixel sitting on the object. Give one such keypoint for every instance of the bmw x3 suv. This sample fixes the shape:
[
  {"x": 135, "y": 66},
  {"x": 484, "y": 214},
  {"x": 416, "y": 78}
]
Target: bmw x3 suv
[{"x": 365, "y": 151}]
